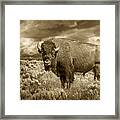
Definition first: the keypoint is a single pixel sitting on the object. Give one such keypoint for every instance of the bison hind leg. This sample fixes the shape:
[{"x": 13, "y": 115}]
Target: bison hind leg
[
  {"x": 94, "y": 77},
  {"x": 98, "y": 77}
]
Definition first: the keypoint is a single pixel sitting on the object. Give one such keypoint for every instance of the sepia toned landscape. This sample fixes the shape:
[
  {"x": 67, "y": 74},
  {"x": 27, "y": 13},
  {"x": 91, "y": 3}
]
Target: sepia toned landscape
[{"x": 60, "y": 59}]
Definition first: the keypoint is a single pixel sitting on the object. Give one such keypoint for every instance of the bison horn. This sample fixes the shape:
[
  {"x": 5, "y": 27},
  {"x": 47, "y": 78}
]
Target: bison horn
[
  {"x": 39, "y": 45},
  {"x": 56, "y": 49}
]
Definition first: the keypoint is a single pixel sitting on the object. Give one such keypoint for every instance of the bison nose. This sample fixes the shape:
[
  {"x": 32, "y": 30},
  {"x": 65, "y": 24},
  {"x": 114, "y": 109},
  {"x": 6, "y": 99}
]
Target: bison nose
[{"x": 47, "y": 62}]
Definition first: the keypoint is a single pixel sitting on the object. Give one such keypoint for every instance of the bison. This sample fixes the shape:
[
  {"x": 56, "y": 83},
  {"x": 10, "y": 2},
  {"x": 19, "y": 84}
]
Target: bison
[{"x": 69, "y": 57}]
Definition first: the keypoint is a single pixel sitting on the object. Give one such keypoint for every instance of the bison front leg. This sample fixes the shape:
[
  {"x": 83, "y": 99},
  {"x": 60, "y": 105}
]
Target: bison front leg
[
  {"x": 68, "y": 85},
  {"x": 62, "y": 82}
]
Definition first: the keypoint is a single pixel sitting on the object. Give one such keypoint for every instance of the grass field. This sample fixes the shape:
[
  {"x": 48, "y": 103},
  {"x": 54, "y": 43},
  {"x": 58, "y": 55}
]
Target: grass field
[{"x": 36, "y": 84}]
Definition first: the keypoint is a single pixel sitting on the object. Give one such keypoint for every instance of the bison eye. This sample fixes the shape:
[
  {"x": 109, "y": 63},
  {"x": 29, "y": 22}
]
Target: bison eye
[{"x": 44, "y": 52}]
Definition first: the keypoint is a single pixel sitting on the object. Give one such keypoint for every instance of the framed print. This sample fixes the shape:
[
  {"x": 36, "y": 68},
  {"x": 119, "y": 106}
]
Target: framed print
[{"x": 60, "y": 59}]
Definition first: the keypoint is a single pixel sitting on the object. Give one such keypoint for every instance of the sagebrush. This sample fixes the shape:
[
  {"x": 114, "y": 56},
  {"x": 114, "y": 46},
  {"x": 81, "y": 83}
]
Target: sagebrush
[{"x": 36, "y": 84}]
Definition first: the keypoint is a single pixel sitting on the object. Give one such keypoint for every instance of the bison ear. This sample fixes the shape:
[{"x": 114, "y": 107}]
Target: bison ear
[
  {"x": 39, "y": 46},
  {"x": 57, "y": 49}
]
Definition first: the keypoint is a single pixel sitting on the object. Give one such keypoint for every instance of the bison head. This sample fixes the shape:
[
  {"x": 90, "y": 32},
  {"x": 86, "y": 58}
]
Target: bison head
[{"x": 48, "y": 51}]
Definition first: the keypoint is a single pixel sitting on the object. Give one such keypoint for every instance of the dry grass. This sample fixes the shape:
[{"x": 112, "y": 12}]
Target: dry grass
[{"x": 36, "y": 84}]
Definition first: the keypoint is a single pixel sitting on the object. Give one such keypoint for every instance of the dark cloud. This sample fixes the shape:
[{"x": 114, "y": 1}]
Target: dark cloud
[{"x": 46, "y": 28}]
